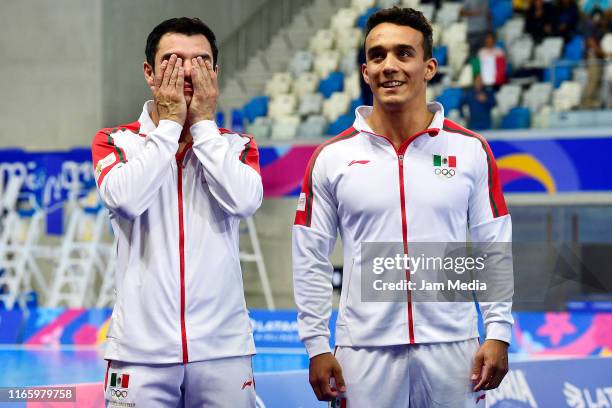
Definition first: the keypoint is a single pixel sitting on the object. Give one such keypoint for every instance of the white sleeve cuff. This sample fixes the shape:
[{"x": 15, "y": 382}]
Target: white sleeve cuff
[
  {"x": 317, "y": 345},
  {"x": 203, "y": 130},
  {"x": 169, "y": 130},
  {"x": 499, "y": 331}
]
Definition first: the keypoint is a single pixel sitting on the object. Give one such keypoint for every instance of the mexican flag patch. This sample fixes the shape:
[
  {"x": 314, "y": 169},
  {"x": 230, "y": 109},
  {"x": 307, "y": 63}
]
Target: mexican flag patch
[
  {"x": 119, "y": 380},
  {"x": 444, "y": 161}
]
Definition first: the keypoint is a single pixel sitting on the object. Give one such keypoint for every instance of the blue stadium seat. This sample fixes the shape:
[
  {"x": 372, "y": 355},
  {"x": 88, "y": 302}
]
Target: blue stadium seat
[
  {"x": 333, "y": 83},
  {"x": 343, "y": 122},
  {"x": 450, "y": 98},
  {"x": 439, "y": 53},
  {"x": 354, "y": 104},
  {"x": 517, "y": 118},
  {"x": 258, "y": 106},
  {"x": 220, "y": 119},
  {"x": 574, "y": 50},
  {"x": 501, "y": 12},
  {"x": 561, "y": 73},
  {"x": 363, "y": 19}
]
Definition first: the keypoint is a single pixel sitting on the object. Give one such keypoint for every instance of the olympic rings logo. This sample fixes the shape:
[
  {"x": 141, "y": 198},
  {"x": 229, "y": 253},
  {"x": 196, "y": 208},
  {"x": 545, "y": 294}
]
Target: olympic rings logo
[
  {"x": 118, "y": 393},
  {"x": 444, "y": 172}
]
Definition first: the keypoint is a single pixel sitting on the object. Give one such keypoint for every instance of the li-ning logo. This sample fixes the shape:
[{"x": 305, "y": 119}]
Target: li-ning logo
[
  {"x": 247, "y": 384},
  {"x": 358, "y": 162},
  {"x": 444, "y": 165}
]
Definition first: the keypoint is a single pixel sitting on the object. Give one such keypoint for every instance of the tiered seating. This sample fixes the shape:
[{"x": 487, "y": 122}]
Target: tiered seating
[{"x": 318, "y": 87}]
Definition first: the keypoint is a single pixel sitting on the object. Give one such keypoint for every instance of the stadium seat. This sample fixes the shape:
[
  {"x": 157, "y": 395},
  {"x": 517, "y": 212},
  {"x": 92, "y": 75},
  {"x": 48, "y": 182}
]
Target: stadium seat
[
  {"x": 450, "y": 98},
  {"x": 306, "y": 83},
  {"x": 516, "y": 118},
  {"x": 348, "y": 63},
  {"x": 362, "y": 5},
  {"x": 282, "y": 105},
  {"x": 428, "y": 10},
  {"x": 260, "y": 128},
  {"x": 336, "y": 105},
  {"x": 508, "y": 97},
  {"x": 258, "y": 106},
  {"x": 363, "y": 18},
  {"x": 512, "y": 30},
  {"x": 520, "y": 51},
  {"x": 606, "y": 43},
  {"x": 333, "y": 83},
  {"x": 285, "y": 128},
  {"x": 466, "y": 77},
  {"x": 557, "y": 74},
  {"x": 355, "y": 103},
  {"x": 351, "y": 85},
  {"x": 341, "y": 123},
  {"x": 549, "y": 50},
  {"x": 440, "y": 53},
  {"x": 574, "y": 49},
  {"x": 300, "y": 62},
  {"x": 326, "y": 63},
  {"x": 567, "y": 96},
  {"x": 415, "y": 4},
  {"x": 348, "y": 39},
  {"x": 457, "y": 56},
  {"x": 454, "y": 34},
  {"x": 388, "y": 3},
  {"x": 537, "y": 96},
  {"x": 448, "y": 13},
  {"x": 279, "y": 84},
  {"x": 501, "y": 11},
  {"x": 313, "y": 127},
  {"x": 310, "y": 104},
  {"x": 322, "y": 41},
  {"x": 343, "y": 19}
]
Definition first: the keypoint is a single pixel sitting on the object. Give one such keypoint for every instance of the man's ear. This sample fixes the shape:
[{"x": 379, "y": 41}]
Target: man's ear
[
  {"x": 431, "y": 69},
  {"x": 149, "y": 74},
  {"x": 364, "y": 73}
]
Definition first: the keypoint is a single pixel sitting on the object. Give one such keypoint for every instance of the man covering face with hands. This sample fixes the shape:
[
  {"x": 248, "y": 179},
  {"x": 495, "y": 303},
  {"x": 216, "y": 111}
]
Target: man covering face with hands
[{"x": 176, "y": 187}]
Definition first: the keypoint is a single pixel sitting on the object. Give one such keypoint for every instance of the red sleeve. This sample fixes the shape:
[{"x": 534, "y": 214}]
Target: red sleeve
[
  {"x": 250, "y": 155},
  {"x": 105, "y": 155}
]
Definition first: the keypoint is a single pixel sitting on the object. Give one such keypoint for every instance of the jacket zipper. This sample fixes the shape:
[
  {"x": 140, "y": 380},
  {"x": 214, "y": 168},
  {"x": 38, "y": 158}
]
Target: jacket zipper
[
  {"x": 182, "y": 257},
  {"x": 400, "y": 161}
]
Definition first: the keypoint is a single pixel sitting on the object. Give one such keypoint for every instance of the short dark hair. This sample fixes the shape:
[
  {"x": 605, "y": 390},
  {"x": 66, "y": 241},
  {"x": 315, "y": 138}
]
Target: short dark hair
[
  {"x": 405, "y": 17},
  {"x": 182, "y": 25}
]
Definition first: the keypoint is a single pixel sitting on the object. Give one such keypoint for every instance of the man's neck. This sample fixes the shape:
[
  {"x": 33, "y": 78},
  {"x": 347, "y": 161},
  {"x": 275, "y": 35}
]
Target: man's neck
[
  {"x": 399, "y": 125},
  {"x": 185, "y": 137}
]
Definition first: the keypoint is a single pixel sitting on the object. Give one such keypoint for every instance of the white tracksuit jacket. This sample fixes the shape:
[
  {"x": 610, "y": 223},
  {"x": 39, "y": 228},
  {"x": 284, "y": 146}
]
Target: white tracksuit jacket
[
  {"x": 359, "y": 185},
  {"x": 178, "y": 278}
]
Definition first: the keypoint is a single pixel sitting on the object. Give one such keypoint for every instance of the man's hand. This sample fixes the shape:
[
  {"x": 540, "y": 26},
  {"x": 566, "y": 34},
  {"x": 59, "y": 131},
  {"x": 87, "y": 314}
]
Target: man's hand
[
  {"x": 490, "y": 365},
  {"x": 205, "y": 91},
  {"x": 168, "y": 91},
  {"x": 322, "y": 368}
]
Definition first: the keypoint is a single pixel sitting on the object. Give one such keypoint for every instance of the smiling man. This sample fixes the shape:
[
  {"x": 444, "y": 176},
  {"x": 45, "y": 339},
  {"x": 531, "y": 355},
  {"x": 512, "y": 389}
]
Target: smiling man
[
  {"x": 401, "y": 174},
  {"x": 177, "y": 186}
]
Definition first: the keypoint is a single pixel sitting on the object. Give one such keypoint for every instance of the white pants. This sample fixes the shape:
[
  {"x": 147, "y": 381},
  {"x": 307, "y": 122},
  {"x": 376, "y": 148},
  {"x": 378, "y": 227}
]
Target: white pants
[
  {"x": 214, "y": 383},
  {"x": 433, "y": 375}
]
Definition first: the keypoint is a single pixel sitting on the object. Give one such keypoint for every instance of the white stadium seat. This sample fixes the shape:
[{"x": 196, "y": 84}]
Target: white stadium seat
[
  {"x": 301, "y": 62},
  {"x": 448, "y": 13},
  {"x": 306, "y": 83},
  {"x": 549, "y": 50},
  {"x": 279, "y": 84},
  {"x": 282, "y": 105},
  {"x": 520, "y": 51},
  {"x": 322, "y": 41},
  {"x": 352, "y": 86},
  {"x": 310, "y": 104},
  {"x": 567, "y": 96},
  {"x": 508, "y": 97},
  {"x": 348, "y": 39},
  {"x": 337, "y": 104},
  {"x": 326, "y": 63},
  {"x": 313, "y": 127},
  {"x": 285, "y": 128},
  {"x": 537, "y": 96},
  {"x": 343, "y": 19}
]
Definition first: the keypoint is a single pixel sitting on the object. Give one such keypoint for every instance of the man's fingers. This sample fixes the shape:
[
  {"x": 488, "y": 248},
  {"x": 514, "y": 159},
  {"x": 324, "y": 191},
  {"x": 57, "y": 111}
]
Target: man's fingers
[
  {"x": 478, "y": 361},
  {"x": 340, "y": 384},
  {"x": 205, "y": 74},
  {"x": 327, "y": 393},
  {"x": 159, "y": 76},
  {"x": 180, "y": 81},
  {"x": 169, "y": 70},
  {"x": 485, "y": 377},
  {"x": 175, "y": 72},
  {"x": 196, "y": 77},
  {"x": 211, "y": 72}
]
